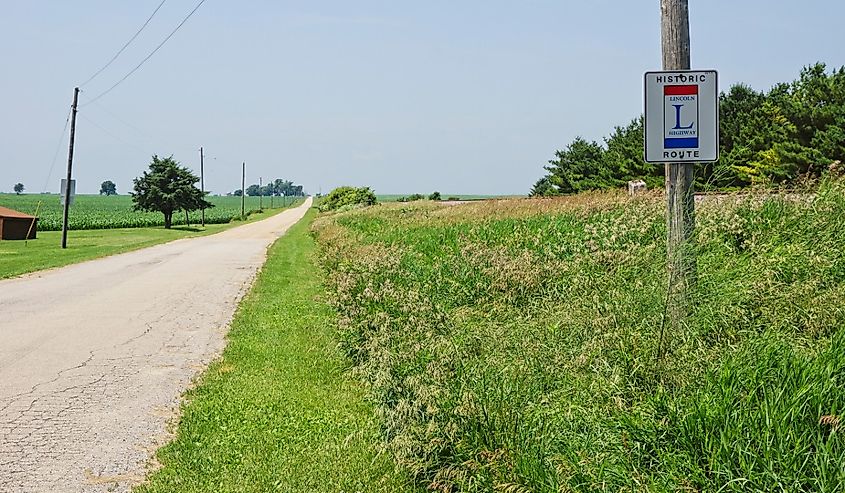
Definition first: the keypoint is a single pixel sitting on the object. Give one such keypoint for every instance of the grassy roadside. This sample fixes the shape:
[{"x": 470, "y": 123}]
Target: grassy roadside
[
  {"x": 19, "y": 257},
  {"x": 521, "y": 345},
  {"x": 278, "y": 412}
]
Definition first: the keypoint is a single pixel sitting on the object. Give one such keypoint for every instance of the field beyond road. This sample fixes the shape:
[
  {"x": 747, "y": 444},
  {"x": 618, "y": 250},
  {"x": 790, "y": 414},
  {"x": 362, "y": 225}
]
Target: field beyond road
[
  {"x": 94, "y": 356},
  {"x": 45, "y": 252},
  {"x": 521, "y": 345},
  {"x": 115, "y": 211}
]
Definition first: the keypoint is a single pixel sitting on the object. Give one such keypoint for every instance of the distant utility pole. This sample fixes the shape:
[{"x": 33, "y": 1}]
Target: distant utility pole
[
  {"x": 69, "y": 167},
  {"x": 680, "y": 199},
  {"x": 202, "y": 187},
  {"x": 260, "y": 193},
  {"x": 243, "y": 189}
]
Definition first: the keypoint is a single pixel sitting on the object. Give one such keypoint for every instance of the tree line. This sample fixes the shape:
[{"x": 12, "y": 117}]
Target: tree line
[
  {"x": 277, "y": 187},
  {"x": 772, "y": 137},
  {"x": 435, "y": 195}
]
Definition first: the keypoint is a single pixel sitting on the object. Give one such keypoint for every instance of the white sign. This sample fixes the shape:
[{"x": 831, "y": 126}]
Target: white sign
[
  {"x": 62, "y": 189},
  {"x": 682, "y": 116}
]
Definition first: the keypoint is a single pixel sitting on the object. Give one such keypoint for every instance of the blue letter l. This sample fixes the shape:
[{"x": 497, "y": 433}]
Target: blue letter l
[{"x": 678, "y": 118}]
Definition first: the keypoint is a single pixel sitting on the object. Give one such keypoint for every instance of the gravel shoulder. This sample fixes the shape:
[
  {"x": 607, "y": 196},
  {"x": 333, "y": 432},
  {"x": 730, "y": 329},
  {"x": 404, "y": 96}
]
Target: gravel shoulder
[{"x": 94, "y": 356}]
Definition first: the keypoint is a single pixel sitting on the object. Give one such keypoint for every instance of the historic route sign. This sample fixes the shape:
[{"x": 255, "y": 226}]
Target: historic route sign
[{"x": 681, "y": 116}]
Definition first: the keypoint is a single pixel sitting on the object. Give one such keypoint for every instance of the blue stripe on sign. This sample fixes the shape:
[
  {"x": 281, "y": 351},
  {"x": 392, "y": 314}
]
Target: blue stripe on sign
[{"x": 680, "y": 143}]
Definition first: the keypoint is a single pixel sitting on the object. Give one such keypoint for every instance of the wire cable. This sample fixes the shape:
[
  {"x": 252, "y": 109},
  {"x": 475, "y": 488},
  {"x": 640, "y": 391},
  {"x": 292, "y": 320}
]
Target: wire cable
[
  {"x": 148, "y": 56},
  {"x": 58, "y": 148},
  {"x": 125, "y": 45},
  {"x": 115, "y": 137},
  {"x": 105, "y": 110}
]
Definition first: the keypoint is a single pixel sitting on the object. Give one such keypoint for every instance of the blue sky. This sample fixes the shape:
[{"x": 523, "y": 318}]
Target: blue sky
[{"x": 456, "y": 96}]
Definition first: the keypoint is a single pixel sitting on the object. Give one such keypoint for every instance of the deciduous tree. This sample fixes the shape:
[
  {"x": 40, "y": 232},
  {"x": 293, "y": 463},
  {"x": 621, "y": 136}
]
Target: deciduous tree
[
  {"x": 168, "y": 187},
  {"x": 108, "y": 188}
]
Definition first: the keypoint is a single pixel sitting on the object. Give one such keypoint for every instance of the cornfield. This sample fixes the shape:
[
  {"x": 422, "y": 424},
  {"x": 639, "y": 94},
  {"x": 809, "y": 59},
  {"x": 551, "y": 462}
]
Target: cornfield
[{"x": 106, "y": 212}]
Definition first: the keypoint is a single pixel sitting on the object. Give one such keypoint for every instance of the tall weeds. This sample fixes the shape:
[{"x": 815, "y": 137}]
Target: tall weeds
[{"x": 510, "y": 346}]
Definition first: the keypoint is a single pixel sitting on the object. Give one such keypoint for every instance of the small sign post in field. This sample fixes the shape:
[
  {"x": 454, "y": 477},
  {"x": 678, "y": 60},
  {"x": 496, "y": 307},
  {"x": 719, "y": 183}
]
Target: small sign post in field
[{"x": 64, "y": 188}]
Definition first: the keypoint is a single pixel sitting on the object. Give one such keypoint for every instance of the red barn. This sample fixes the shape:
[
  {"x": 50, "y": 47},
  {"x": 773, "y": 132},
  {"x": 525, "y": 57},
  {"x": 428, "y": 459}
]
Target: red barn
[{"x": 16, "y": 225}]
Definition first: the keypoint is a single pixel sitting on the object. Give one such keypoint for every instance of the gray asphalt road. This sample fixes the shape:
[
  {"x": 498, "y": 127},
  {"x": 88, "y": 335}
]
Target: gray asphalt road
[{"x": 94, "y": 356}]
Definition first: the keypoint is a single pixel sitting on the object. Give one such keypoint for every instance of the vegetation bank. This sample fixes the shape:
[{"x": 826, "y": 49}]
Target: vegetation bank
[{"x": 521, "y": 345}]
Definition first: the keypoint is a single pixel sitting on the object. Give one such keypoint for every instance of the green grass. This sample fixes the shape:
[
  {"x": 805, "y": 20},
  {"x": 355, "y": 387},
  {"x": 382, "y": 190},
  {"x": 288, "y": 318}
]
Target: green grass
[
  {"x": 100, "y": 212},
  {"x": 278, "y": 412},
  {"x": 45, "y": 252},
  {"x": 515, "y": 345}
]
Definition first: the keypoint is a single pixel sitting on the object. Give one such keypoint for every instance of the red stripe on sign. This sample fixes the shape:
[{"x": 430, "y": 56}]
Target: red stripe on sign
[{"x": 679, "y": 90}]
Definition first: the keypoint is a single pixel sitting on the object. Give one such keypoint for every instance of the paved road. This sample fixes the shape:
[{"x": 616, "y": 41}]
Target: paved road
[{"x": 94, "y": 356}]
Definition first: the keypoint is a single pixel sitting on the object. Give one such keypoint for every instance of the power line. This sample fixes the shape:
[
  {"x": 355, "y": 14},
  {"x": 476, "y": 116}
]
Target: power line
[
  {"x": 119, "y": 119},
  {"x": 125, "y": 45},
  {"x": 56, "y": 154},
  {"x": 150, "y": 55},
  {"x": 115, "y": 137}
]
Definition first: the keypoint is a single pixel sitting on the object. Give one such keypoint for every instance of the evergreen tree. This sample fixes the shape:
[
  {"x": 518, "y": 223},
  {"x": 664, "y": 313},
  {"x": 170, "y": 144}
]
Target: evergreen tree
[
  {"x": 579, "y": 167},
  {"x": 775, "y": 137},
  {"x": 543, "y": 188}
]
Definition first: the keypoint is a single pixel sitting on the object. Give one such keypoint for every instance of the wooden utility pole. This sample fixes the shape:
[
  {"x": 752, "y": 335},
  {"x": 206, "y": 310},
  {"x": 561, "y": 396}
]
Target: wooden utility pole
[
  {"x": 260, "y": 193},
  {"x": 680, "y": 199},
  {"x": 243, "y": 189},
  {"x": 202, "y": 188},
  {"x": 66, "y": 210}
]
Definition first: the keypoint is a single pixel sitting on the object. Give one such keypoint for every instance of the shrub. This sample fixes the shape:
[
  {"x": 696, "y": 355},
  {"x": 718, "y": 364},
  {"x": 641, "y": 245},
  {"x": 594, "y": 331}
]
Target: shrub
[
  {"x": 412, "y": 198},
  {"x": 434, "y": 196},
  {"x": 347, "y": 196}
]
